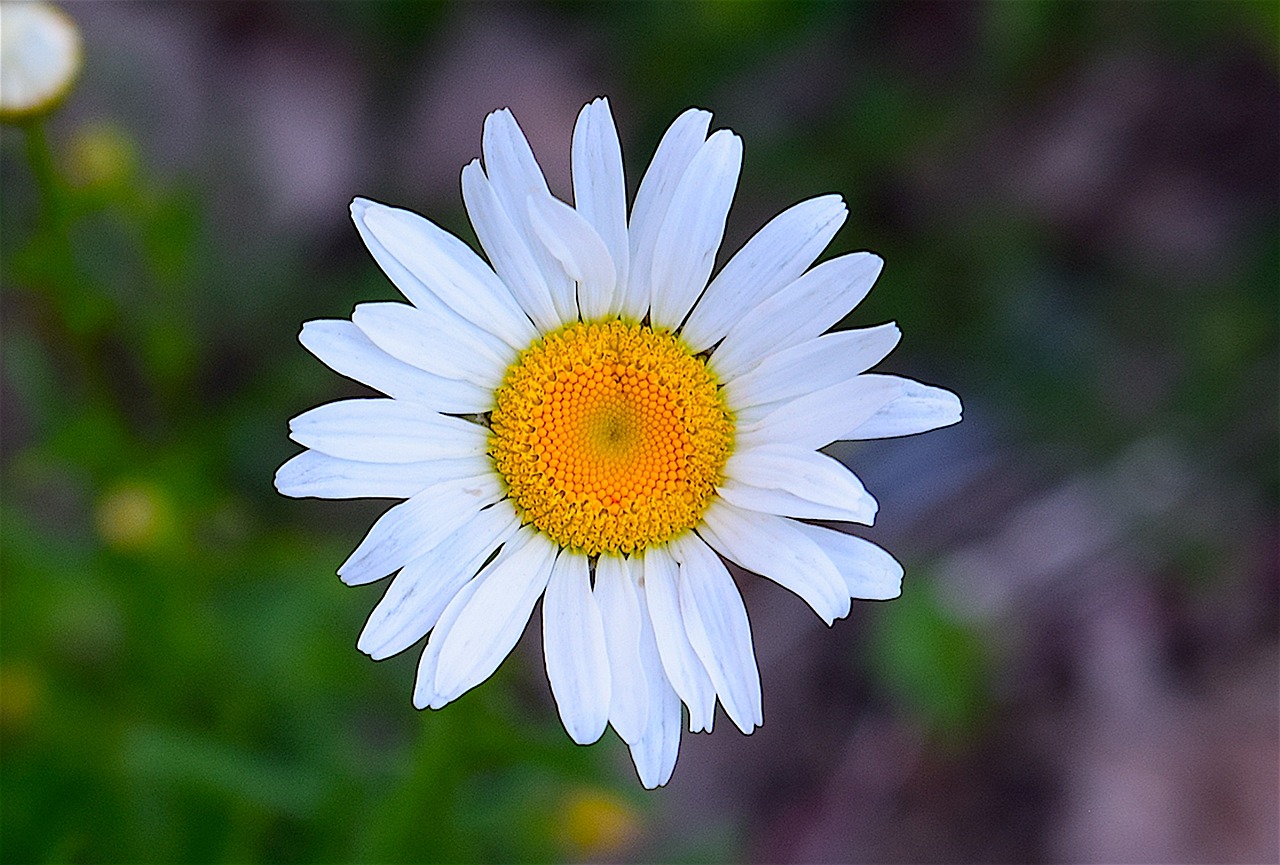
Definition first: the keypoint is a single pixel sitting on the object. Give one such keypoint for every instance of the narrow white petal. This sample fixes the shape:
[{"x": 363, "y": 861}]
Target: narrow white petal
[
  {"x": 488, "y": 628},
  {"x": 386, "y": 430},
  {"x": 655, "y": 752},
  {"x": 918, "y": 408},
  {"x": 793, "y": 482},
  {"x": 316, "y": 475},
  {"x": 599, "y": 190},
  {"x": 344, "y": 348},
  {"x": 685, "y": 249},
  {"x": 573, "y": 645},
  {"x": 424, "y": 587},
  {"x": 675, "y": 151},
  {"x": 414, "y": 527},
  {"x": 868, "y": 571},
  {"x": 819, "y": 418},
  {"x": 452, "y": 271},
  {"x": 458, "y": 351},
  {"x": 582, "y": 252},
  {"x": 811, "y": 366},
  {"x": 620, "y": 608},
  {"x": 719, "y": 630},
  {"x": 424, "y": 688},
  {"x": 773, "y": 547},
  {"x": 507, "y": 248},
  {"x": 799, "y": 312},
  {"x": 512, "y": 169},
  {"x": 773, "y": 258},
  {"x": 680, "y": 661}
]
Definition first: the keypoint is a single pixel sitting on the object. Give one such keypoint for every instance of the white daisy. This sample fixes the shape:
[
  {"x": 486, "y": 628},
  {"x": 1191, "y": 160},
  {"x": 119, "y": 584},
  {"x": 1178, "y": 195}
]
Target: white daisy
[
  {"x": 587, "y": 420},
  {"x": 39, "y": 58}
]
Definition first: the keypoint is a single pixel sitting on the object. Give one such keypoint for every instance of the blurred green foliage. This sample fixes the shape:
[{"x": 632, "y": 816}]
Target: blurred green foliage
[{"x": 178, "y": 678}]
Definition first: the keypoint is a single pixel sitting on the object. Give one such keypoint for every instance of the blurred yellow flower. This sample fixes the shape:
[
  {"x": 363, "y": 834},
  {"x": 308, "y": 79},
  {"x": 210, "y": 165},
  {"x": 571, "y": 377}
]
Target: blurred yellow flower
[
  {"x": 596, "y": 823},
  {"x": 132, "y": 516}
]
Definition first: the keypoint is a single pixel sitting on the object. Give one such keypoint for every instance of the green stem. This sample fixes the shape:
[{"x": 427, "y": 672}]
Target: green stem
[{"x": 46, "y": 174}]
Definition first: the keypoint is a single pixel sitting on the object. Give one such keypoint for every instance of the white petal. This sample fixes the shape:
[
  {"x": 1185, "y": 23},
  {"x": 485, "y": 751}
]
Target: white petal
[
  {"x": 507, "y": 248},
  {"x": 515, "y": 175},
  {"x": 386, "y": 430},
  {"x": 819, "y": 418},
  {"x": 774, "y": 257},
  {"x": 599, "y": 190},
  {"x": 655, "y": 752},
  {"x": 675, "y": 151},
  {"x": 868, "y": 571},
  {"x": 793, "y": 482},
  {"x": 577, "y": 246},
  {"x": 799, "y": 312},
  {"x": 573, "y": 646},
  {"x": 685, "y": 249},
  {"x": 620, "y": 607},
  {"x": 424, "y": 587},
  {"x": 316, "y": 475},
  {"x": 681, "y": 662},
  {"x": 811, "y": 366},
  {"x": 345, "y": 349},
  {"x": 489, "y": 626},
  {"x": 414, "y": 527},
  {"x": 719, "y": 631},
  {"x": 918, "y": 408},
  {"x": 424, "y": 688},
  {"x": 451, "y": 271},
  {"x": 773, "y": 547},
  {"x": 455, "y": 350}
]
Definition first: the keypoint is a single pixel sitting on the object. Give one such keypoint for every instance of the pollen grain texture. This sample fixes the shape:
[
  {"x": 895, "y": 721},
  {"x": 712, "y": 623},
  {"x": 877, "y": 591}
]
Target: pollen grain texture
[{"x": 611, "y": 437}]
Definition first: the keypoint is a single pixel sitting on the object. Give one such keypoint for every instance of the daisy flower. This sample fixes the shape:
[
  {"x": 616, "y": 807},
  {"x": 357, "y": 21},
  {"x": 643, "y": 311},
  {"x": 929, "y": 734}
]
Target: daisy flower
[
  {"x": 589, "y": 418},
  {"x": 40, "y": 56}
]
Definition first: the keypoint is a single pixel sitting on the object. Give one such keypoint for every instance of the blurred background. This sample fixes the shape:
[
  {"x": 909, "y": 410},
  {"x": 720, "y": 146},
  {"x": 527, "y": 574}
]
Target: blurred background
[{"x": 1077, "y": 204}]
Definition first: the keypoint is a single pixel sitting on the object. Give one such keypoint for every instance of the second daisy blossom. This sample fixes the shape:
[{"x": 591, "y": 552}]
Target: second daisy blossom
[{"x": 591, "y": 419}]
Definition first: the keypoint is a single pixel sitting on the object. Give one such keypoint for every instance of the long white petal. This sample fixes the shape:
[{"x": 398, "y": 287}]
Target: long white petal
[
  {"x": 620, "y": 607},
  {"x": 655, "y": 752},
  {"x": 868, "y": 571},
  {"x": 344, "y": 348},
  {"x": 424, "y": 587},
  {"x": 573, "y": 646},
  {"x": 414, "y": 527},
  {"x": 515, "y": 175},
  {"x": 799, "y": 312},
  {"x": 457, "y": 351},
  {"x": 811, "y": 366},
  {"x": 680, "y": 661},
  {"x": 918, "y": 408},
  {"x": 507, "y": 248},
  {"x": 773, "y": 547},
  {"x": 774, "y": 257},
  {"x": 424, "y": 688},
  {"x": 452, "y": 271},
  {"x": 600, "y": 192},
  {"x": 685, "y": 249},
  {"x": 675, "y": 151},
  {"x": 581, "y": 251},
  {"x": 819, "y": 418},
  {"x": 316, "y": 475},
  {"x": 386, "y": 430},
  {"x": 488, "y": 628},
  {"x": 793, "y": 482},
  {"x": 719, "y": 630}
]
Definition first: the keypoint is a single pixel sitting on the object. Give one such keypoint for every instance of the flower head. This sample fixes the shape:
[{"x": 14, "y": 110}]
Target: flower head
[
  {"x": 40, "y": 56},
  {"x": 590, "y": 419}
]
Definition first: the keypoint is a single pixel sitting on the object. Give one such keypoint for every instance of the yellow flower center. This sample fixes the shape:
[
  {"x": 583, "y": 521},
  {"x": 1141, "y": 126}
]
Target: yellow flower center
[{"x": 610, "y": 437}]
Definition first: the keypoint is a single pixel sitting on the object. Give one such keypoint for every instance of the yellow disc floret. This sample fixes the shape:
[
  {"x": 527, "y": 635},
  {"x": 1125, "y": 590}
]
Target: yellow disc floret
[{"x": 610, "y": 437}]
